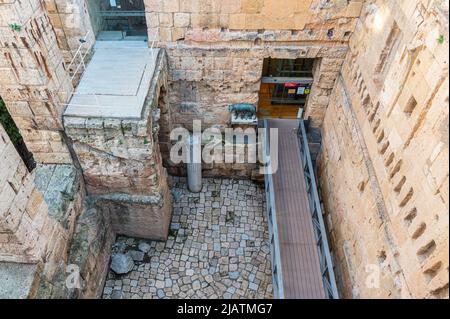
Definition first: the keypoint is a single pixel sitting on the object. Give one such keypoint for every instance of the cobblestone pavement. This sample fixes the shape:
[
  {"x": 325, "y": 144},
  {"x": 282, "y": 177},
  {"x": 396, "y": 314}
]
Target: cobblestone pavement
[{"x": 218, "y": 247}]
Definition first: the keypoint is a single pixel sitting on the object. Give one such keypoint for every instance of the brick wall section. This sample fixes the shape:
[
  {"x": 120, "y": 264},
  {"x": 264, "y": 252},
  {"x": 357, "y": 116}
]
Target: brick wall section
[
  {"x": 216, "y": 49},
  {"x": 384, "y": 165},
  {"x": 33, "y": 77}
]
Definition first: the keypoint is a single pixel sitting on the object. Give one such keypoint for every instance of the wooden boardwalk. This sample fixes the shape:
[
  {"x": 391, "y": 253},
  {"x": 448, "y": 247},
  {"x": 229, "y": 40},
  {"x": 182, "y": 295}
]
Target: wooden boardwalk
[{"x": 299, "y": 257}]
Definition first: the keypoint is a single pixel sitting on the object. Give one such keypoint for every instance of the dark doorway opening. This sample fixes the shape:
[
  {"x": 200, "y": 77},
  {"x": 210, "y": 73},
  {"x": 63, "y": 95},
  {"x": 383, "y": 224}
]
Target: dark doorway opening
[
  {"x": 285, "y": 88},
  {"x": 16, "y": 138}
]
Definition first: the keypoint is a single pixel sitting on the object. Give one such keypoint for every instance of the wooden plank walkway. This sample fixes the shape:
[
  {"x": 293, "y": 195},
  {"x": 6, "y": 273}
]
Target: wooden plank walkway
[{"x": 302, "y": 278}]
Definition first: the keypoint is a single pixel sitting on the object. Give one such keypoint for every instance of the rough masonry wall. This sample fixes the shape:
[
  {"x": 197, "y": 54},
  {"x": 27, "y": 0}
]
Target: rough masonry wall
[
  {"x": 71, "y": 22},
  {"x": 46, "y": 224},
  {"x": 216, "y": 49},
  {"x": 19, "y": 200},
  {"x": 90, "y": 251},
  {"x": 33, "y": 81},
  {"x": 39, "y": 211},
  {"x": 34, "y": 230},
  {"x": 384, "y": 163}
]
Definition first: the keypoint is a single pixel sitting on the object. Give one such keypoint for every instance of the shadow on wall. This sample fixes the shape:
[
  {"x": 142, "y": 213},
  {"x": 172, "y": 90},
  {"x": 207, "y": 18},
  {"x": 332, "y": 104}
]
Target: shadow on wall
[{"x": 14, "y": 134}]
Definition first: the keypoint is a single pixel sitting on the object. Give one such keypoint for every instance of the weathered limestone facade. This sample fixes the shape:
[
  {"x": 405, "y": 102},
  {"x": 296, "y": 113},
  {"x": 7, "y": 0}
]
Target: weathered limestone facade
[
  {"x": 216, "y": 51},
  {"x": 385, "y": 157},
  {"x": 122, "y": 164},
  {"x": 41, "y": 210},
  {"x": 50, "y": 220},
  {"x": 379, "y": 98},
  {"x": 44, "y": 224}
]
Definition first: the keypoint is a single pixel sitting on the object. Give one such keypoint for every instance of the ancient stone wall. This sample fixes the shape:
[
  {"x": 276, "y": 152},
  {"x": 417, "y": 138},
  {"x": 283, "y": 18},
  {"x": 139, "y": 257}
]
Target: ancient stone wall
[
  {"x": 216, "y": 49},
  {"x": 33, "y": 81},
  {"x": 90, "y": 251},
  {"x": 19, "y": 199},
  {"x": 384, "y": 162},
  {"x": 71, "y": 22}
]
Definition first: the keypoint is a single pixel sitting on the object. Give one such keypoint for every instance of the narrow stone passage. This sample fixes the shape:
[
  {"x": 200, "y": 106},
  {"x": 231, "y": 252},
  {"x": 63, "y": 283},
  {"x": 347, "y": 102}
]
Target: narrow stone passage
[{"x": 218, "y": 247}]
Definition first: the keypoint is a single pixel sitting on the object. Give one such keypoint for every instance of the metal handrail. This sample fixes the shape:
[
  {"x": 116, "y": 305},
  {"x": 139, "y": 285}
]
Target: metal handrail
[
  {"x": 326, "y": 263},
  {"x": 272, "y": 219}
]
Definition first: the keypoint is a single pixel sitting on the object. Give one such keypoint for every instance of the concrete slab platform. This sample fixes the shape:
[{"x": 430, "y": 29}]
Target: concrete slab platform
[{"x": 116, "y": 81}]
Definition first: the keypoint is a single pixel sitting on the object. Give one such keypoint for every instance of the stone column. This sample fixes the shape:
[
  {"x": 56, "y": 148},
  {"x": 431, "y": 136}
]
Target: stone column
[{"x": 34, "y": 83}]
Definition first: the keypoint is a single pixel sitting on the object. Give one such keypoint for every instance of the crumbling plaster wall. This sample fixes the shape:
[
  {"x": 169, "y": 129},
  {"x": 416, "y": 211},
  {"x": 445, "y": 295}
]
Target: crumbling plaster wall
[{"x": 384, "y": 162}]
